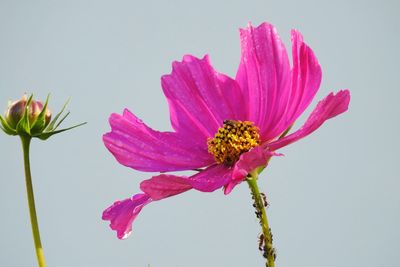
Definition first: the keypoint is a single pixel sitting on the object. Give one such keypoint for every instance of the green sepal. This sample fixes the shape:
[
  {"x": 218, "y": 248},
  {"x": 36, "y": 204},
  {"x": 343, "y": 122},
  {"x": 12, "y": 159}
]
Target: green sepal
[
  {"x": 286, "y": 131},
  {"x": 261, "y": 168},
  {"x": 51, "y": 127},
  {"x": 23, "y": 126},
  {"x": 7, "y": 128},
  {"x": 61, "y": 120},
  {"x": 40, "y": 123},
  {"x": 46, "y": 135}
]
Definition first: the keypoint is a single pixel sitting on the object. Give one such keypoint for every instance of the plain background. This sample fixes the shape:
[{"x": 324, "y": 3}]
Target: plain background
[{"x": 334, "y": 196}]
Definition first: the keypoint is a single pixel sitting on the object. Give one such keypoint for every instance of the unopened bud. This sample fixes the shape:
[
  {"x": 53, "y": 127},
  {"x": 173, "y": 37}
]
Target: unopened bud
[
  {"x": 16, "y": 111},
  {"x": 29, "y": 118}
]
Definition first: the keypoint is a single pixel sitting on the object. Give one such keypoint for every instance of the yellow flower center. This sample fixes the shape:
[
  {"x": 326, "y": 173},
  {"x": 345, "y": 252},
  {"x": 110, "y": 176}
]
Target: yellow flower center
[{"x": 232, "y": 140}]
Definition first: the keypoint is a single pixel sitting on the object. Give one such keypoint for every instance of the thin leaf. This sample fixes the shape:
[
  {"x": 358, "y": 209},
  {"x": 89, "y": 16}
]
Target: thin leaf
[
  {"x": 62, "y": 119},
  {"x": 50, "y": 127},
  {"x": 40, "y": 122},
  {"x": 28, "y": 103},
  {"x": 46, "y": 135},
  {"x": 23, "y": 126}
]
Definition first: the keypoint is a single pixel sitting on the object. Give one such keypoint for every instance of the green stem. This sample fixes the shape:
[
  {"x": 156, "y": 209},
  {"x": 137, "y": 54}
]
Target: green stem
[
  {"x": 31, "y": 202},
  {"x": 269, "y": 252}
]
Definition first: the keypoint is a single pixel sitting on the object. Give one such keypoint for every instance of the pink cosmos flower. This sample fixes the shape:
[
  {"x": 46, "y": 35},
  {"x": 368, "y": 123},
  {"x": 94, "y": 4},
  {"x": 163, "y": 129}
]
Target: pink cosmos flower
[{"x": 224, "y": 128}]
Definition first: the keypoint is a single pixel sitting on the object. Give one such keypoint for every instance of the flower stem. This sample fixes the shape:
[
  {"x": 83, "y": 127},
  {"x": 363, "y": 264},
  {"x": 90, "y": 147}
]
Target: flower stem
[
  {"x": 259, "y": 204},
  {"x": 31, "y": 202}
]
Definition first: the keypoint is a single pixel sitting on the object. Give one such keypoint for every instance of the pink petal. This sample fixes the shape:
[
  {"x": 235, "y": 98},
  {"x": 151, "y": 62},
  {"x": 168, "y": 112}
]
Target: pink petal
[
  {"x": 163, "y": 186},
  {"x": 249, "y": 161},
  {"x": 137, "y": 146},
  {"x": 264, "y": 77},
  {"x": 200, "y": 98},
  {"x": 305, "y": 81},
  {"x": 122, "y": 213},
  {"x": 329, "y": 107},
  {"x": 212, "y": 178},
  {"x": 208, "y": 180}
]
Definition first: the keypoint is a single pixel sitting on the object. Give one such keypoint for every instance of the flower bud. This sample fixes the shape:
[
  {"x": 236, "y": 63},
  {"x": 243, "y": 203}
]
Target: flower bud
[
  {"x": 29, "y": 118},
  {"x": 16, "y": 112}
]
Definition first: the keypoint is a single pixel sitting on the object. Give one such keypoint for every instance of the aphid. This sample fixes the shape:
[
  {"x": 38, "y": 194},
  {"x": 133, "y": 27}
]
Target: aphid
[
  {"x": 274, "y": 253},
  {"x": 264, "y": 197},
  {"x": 265, "y": 254},
  {"x": 258, "y": 214},
  {"x": 270, "y": 234},
  {"x": 261, "y": 242}
]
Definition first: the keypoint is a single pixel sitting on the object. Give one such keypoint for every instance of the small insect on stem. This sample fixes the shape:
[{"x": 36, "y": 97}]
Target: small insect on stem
[
  {"x": 274, "y": 253},
  {"x": 264, "y": 198},
  {"x": 258, "y": 214},
  {"x": 261, "y": 242}
]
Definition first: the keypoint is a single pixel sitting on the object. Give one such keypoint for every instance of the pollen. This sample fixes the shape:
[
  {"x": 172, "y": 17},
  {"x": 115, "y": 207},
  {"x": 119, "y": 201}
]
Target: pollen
[{"x": 232, "y": 140}]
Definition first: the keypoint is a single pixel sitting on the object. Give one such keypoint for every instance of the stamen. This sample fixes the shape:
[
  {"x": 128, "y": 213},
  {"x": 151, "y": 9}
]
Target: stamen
[{"x": 232, "y": 140}]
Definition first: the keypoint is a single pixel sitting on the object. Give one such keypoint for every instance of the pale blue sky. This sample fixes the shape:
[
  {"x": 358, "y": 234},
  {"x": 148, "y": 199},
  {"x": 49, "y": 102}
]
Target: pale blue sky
[{"x": 334, "y": 196}]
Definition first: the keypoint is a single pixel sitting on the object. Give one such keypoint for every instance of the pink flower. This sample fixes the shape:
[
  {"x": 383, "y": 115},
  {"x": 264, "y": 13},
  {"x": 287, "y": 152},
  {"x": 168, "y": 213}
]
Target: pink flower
[{"x": 224, "y": 128}]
